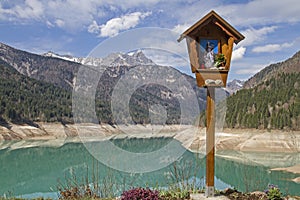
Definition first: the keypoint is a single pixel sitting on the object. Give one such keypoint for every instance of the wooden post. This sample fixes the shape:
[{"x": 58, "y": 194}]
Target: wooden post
[{"x": 210, "y": 141}]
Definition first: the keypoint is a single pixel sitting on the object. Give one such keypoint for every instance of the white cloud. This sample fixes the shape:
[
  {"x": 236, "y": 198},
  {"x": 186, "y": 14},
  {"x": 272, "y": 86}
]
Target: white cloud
[
  {"x": 133, "y": 3},
  {"x": 115, "y": 25},
  {"x": 59, "y": 23},
  {"x": 94, "y": 28},
  {"x": 80, "y": 13},
  {"x": 240, "y": 14},
  {"x": 35, "y": 7},
  {"x": 238, "y": 53},
  {"x": 49, "y": 24},
  {"x": 189, "y": 12},
  {"x": 180, "y": 28},
  {"x": 166, "y": 40},
  {"x": 30, "y": 9},
  {"x": 166, "y": 58},
  {"x": 261, "y": 12},
  {"x": 253, "y": 36},
  {"x": 40, "y": 45},
  {"x": 271, "y": 47},
  {"x": 251, "y": 70},
  {"x": 75, "y": 14}
]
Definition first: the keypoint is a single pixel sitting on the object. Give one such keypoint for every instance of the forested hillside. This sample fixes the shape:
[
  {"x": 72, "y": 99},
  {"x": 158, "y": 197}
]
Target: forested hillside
[
  {"x": 270, "y": 100},
  {"x": 273, "y": 104},
  {"x": 25, "y": 100}
]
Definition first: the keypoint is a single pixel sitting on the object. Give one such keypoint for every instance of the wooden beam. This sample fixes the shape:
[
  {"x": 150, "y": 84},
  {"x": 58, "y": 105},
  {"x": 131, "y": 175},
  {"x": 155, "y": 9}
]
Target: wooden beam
[
  {"x": 193, "y": 53},
  {"x": 210, "y": 140},
  {"x": 229, "y": 53},
  {"x": 225, "y": 30}
]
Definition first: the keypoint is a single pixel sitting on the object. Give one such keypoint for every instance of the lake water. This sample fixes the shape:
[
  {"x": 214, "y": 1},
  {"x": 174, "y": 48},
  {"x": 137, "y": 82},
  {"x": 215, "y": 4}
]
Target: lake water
[{"x": 40, "y": 170}]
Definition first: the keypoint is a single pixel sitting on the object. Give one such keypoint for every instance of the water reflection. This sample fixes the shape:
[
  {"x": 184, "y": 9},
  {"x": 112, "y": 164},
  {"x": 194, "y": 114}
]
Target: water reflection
[
  {"x": 248, "y": 177},
  {"x": 40, "y": 168}
]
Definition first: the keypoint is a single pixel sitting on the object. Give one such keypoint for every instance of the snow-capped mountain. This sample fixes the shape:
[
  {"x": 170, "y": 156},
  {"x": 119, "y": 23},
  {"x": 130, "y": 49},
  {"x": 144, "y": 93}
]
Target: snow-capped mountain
[
  {"x": 114, "y": 59},
  {"x": 64, "y": 57},
  {"x": 234, "y": 86},
  {"x": 132, "y": 59}
]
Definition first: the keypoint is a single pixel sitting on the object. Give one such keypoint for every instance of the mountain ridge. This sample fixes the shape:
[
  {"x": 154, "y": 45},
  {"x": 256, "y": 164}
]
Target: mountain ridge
[
  {"x": 291, "y": 65},
  {"x": 51, "y": 70},
  {"x": 62, "y": 70},
  {"x": 113, "y": 59},
  {"x": 269, "y": 100},
  {"x": 272, "y": 98},
  {"x": 62, "y": 73}
]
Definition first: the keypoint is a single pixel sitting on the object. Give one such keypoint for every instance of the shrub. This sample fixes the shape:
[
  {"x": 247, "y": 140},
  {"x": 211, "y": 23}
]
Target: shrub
[
  {"x": 175, "y": 195},
  {"x": 140, "y": 194},
  {"x": 273, "y": 192}
]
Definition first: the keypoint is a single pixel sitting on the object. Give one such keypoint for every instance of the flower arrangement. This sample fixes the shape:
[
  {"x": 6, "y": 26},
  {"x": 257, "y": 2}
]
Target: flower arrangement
[{"x": 220, "y": 60}]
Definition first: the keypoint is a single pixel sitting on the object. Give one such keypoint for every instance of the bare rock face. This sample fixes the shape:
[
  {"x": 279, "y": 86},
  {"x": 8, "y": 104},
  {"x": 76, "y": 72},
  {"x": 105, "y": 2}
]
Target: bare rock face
[
  {"x": 44, "y": 131},
  {"x": 7, "y": 134}
]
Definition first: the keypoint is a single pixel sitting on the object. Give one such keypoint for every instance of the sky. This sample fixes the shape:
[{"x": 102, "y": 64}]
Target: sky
[{"x": 75, "y": 27}]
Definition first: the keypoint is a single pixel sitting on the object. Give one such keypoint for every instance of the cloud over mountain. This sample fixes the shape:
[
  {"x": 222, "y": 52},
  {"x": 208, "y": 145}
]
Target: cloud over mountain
[{"x": 113, "y": 26}]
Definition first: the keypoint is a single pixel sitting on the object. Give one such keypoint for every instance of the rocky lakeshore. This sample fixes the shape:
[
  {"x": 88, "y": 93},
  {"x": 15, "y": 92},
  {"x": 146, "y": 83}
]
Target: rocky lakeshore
[
  {"x": 193, "y": 138},
  {"x": 236, "y": 144}
]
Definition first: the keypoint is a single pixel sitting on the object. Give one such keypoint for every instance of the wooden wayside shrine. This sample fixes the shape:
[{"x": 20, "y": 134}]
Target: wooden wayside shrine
[
  {"x": 210, "y": 44},
  {"x": 210, "y": 37}
]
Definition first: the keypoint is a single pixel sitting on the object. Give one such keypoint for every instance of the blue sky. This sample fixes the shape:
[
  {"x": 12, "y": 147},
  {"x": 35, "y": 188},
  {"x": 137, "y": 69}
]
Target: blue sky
[{"x": 76, "y": 27}]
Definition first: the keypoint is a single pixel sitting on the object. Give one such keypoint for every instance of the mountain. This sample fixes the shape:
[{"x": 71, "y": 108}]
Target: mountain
[
  {"x": 63, "y": 57},
  {"x": 37, "y": 88},
  {"x": 269, "y": 100},
  {"x": 55, "y": 71},
  {"x": 114, "y": 59},
  {"x": 62, "y": 70},
  {"x": 234, "y": 86},
  {"x": 289, "y": 66},
  {"x": 51, "y": 70}
]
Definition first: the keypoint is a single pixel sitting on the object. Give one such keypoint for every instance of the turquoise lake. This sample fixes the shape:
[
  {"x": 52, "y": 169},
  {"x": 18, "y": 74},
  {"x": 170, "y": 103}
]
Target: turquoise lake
[{"x": 40, "y": 170}]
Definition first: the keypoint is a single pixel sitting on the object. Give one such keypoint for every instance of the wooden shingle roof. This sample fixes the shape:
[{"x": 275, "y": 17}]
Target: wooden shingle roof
[{"x": 217, "y": 20}]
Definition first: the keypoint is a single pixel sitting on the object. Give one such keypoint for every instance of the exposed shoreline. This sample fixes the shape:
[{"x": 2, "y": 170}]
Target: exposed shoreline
[
  {"x": 293, "y": 169},
  {"x": 247, "y": 140},
  {"x": 244, "y": 145}
]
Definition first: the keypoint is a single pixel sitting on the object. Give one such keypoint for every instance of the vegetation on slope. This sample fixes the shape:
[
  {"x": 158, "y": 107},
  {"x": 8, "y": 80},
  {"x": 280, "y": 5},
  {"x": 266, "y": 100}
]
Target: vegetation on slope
[
  {"x": 273, "y": 104},
  {"x": 270, "y": 102},
  {"x": 25, "y": 100}
]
